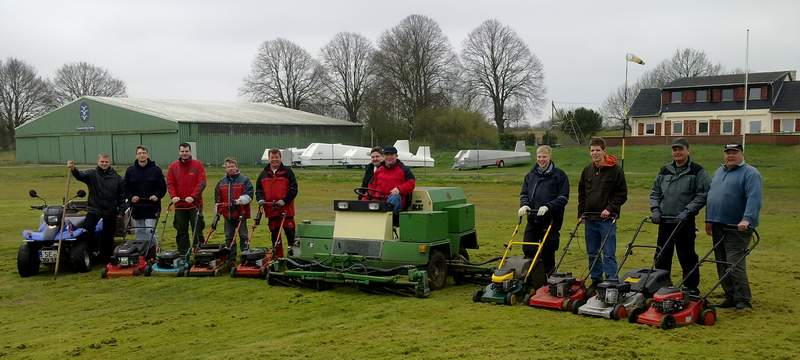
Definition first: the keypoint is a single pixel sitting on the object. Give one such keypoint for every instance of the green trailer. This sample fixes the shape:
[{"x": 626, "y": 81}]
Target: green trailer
[{"x": 412, "y": 252}]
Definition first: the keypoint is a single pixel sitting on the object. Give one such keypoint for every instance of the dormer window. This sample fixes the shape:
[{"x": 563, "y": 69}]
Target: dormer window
[
  {"x": 755, "y": 94},
  {"x": 676, "y": 97},
  {"x": 727, "y": 94},
  {"x": 702, "y": 96}
]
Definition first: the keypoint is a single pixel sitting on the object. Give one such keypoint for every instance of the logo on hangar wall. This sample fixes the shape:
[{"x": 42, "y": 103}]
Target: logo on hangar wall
[{"x": 83, "y": 113}]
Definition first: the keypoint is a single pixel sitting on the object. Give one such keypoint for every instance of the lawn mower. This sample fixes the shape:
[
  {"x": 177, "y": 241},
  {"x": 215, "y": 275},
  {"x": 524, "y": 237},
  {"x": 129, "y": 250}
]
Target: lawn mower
[
  {"x": 132, "y": 257},
  {"x": 213, "y": 259},
  {"x": 513, "y": 278},
  {"x": 40, "y": 247},
  {"x": 677, "y": 306},
  {"x": 615, "y": 299},
  {"x": 253, "y": 262},
  {"x": 362, "y": 248},
  {"x": 172, "y": 262}
]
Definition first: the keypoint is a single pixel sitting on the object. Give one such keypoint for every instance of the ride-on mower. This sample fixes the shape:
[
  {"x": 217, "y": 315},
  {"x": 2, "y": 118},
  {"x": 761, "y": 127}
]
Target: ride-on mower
[
  {"x": 213, "y": 259},
  {"x": 132, "y": 257},
  {"x": 253, "y": 262},
  {"x": 615, "y": 299},
  {"x": 676, "y": 306},
  {"x": 173, "y": 262},
  {"x": 513, "y": 279},
  {"x": 41, "y": 246},
  {"x": 363, "y": 248}
]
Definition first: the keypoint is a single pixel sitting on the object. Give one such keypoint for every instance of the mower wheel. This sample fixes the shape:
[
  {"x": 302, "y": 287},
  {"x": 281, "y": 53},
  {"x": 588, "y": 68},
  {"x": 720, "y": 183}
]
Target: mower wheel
[
  {"x": 104, "y": 273},
  {"x": 181, "y": 271},
  {"x": 668, "y": 322},
  {"x": 566, "y": 304},
  {"x": 148, "y": 270},
  {"x": 619, "y": 312},
  {"x": 633, "y": 317},
  {"x": 79, "y": 258},
  {"x": 708, "y": 317},
  {"x": 27, "y": 260},
  {"x": 576, "y": 305},
  {"x": 476, "y": 297},
  {"x": 262, "y": 274},
  {"x": 511, "y": 299},
  {"x": 233, "y": 272},
  {"x": 437, "y": 270},
  {"x": 526, "y": 300}
]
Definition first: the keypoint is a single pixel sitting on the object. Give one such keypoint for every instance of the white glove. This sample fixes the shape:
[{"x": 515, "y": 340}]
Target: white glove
[
  {"x": 523, "y": 211},
  {"x": 542, "y": 211}
]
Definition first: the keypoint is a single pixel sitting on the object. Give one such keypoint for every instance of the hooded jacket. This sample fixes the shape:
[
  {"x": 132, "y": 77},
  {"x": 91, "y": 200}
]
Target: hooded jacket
[
  {"x": 602, "y": 188},
  {"x": 546, "y": 187},
  {"x": 145, "y": 181},
  {"x": 677, "y": 190},
  {"x": 105, "y": 189}
]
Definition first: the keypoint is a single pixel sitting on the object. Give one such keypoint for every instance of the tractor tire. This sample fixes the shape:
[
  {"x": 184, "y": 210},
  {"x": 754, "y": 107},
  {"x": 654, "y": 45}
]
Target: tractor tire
[
  {"x": 511, "y": 299},
  {"x": 576, "y": 305},
  {"x": 668, "y": 322},
  {"x": 708, "y": 317},
  {"x": 27, "y": 260},
  {"x": 79, "y": 258},
  {"x": 476, "y": 297},
  {"x": 619, "y": 312},
  {"x": 633, "y": 317},
  {"x": 437, "y": 270}
]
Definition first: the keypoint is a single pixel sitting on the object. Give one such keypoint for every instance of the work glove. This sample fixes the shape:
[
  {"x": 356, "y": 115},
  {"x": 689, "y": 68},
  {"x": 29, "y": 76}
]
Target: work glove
[
  {"x": 175, "y": 199},
  {"x": 683, "y": 215},
  {"x": 523, "y": 211},
  {"x": 656, "y": 216},
  {"x": 542, "y": 211},
  {"x": 280, "y": 203},
  {"x": 262, "y": 202}
]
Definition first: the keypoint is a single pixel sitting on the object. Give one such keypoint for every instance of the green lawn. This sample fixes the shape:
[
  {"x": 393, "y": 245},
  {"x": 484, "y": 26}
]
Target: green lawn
[{"x": 80, "y": 315}]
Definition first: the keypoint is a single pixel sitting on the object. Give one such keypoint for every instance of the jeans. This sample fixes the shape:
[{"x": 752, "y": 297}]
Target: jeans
[
  {"x": 183, "y": 220},
  {"x": 397, "y": 202},
  {"x": 145, "y": 229},
  {"x": 732, "y": 249},
  {"x": 683, "y": 242},
  {"x": 230, "y": 229},
  {"x": 595, "y": 232}
]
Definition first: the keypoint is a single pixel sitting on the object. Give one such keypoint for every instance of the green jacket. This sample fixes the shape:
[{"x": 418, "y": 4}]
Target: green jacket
[{"x": 674, "y": 192}]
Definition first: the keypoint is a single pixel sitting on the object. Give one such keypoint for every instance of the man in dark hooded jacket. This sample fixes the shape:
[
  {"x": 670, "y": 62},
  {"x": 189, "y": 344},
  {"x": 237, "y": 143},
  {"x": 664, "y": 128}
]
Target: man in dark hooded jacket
[
  {"x": 144, "y": 188},
  {"x": 105, "y": 197}
]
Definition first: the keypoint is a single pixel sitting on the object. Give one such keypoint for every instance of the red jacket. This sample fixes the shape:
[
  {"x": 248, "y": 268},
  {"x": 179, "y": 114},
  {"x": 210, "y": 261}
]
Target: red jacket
[
  {"x": 280, "y": 185},
  {"x": 186, "y": 179},
  {"x": 232, "y": 188},
  {"x": 387, "y": 178}
]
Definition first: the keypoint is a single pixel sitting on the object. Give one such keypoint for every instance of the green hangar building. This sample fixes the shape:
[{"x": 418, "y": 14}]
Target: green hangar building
[{"x": 91, "y": 125}]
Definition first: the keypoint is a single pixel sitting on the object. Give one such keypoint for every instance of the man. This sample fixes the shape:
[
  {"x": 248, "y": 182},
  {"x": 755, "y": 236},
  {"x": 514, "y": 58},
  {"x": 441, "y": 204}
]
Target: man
[
  {"x": 232, "y": 197},
  {"x": 105, "y": 196},
  {"x": 545, "y": 189},
  {"x": 601, "y": 192},
  {"x": 276, "y": 189},
  {"x": 679, "y": 192},
  {"x": 393, "y": 181},
  {"x": 734, "y": 199},
  {"x": 144, "y": 188},
  {"x": 376, "y": 157},
  {"x": 186, "y": 180}
]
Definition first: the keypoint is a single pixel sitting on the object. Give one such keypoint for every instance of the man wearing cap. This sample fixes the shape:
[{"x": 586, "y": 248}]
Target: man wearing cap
[
  {"x": 733, "y": 199},
  {"x": 679, "y": 192},
  {"x": 393, "y": 181}
]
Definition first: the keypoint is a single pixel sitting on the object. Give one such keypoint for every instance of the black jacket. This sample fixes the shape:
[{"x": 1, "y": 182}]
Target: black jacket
[
  {"x": 546, "y": 188},
  {"x": 145, "y": 181},
  {"x": 369, "y": 171},
  {"x": 105, "y": 189},
  {"x": 602, "y": 188}
]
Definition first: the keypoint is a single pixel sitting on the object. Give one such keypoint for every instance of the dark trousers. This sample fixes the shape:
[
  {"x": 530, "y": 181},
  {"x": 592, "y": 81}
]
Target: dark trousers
[
  {"x": 288, "y": 230},
  {"x": 104, "y": 243},
  {"x": 683, "y": 243},
  {"x": 534, "y": 232},
  {"x": 231, "y": 226},
  {"x": 183, "y": 221},
  {"x": 732, "y": 248}
]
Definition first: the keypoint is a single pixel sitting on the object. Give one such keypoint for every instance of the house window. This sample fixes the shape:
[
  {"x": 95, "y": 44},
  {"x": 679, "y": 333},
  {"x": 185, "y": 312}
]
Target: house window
[
  {"x": 702, "y": 96},
  {"x": 727, "y": 94},
  {"x": 755, "y": 127},
  {"x": 702, "y": 128},
  {"x": 676, "y": 96},
  {"x": 755, "y": 94},
  {"x": 677, "y": 128},
  {"x": 727, "y": 126},
  {"x": 649, "y": 129},
  {"x": 787, "y": 125}
]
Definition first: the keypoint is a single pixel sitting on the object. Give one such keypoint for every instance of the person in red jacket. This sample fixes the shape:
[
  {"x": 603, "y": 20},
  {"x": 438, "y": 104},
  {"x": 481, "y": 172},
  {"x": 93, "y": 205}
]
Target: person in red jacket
[
  {"x": 276, "y": 189},
  {"x": 232, "y": 197},
  {"x": 186, "y": 179},
  {"x": 393, "y": 182}
]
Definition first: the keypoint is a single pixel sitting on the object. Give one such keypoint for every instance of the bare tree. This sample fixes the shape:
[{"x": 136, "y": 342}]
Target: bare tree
[
  {"x": 285, "y": 74},
  {"x": 347, "y": 59},
  {"x": 500, "y": 66},
  {"x": 23, "y": 96},
  {"x": 415, "y": 61},
  {"x": 78, "y": 79},
  {"x": 683, "y": 63}
]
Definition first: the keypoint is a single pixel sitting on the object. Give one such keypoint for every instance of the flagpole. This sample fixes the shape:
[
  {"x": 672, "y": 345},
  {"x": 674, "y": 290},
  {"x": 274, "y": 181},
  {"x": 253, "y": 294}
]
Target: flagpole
[{"x": 746, "y": 75}]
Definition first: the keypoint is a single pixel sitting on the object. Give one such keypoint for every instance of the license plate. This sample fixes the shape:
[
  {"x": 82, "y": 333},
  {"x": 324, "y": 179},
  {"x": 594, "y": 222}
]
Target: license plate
[{"x": 48, "y": 256}]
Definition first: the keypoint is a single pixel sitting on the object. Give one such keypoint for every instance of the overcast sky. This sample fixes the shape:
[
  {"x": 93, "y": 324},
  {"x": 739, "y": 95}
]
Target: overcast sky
[{"x": 203, "y": 49}]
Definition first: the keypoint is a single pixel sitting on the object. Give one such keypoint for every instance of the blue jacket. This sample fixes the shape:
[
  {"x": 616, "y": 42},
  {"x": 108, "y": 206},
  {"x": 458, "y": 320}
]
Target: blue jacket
[{"x": 735, "y": 195}]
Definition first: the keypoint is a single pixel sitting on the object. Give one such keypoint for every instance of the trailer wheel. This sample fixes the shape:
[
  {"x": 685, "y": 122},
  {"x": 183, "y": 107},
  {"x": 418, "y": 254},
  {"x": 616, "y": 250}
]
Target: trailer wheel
[
  {"x": 708, "y": 317},
  {"x": 437, "y": 270},
  {"x": 668, "y": 322},
  {"x": 79, "y": 258},
  {"x": 500, "y": 164},
  {"x": 27, "y": 260},
  {"x": 476, "y": 297}
]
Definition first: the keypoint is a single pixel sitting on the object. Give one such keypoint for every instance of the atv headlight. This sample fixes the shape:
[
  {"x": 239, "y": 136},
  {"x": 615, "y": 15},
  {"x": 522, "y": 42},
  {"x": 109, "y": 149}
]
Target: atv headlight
[
  {"x": 342, "y": 205},
  {"x": 52, "y": 219}
]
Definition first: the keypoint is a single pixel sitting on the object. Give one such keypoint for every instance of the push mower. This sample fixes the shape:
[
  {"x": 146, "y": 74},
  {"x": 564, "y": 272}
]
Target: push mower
[
  {"x": 132, "y": 257},
  {"x": 254, "y": 262},
  {"x": 616, "y": 299},
  {"x": 213, "y": 259},
  {"x": 172, "y": 262},
  {"x": 513, "y": 278},
  {"x": 40, "y": 247},
  {"x": 677, "y": 306}
]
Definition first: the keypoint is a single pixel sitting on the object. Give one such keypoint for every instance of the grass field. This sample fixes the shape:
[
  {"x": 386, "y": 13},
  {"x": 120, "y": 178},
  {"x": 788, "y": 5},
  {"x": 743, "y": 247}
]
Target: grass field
[{"x": 80, "y": 315}]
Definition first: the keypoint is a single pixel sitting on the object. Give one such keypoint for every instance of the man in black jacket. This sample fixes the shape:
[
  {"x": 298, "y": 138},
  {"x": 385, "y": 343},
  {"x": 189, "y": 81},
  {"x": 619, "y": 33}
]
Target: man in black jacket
[
  {"x": 105, "y": 196},
  {"x": 144, "y": 188},
  {"x": 544, "y": 195},
  {"x": 376, "y": 158}
]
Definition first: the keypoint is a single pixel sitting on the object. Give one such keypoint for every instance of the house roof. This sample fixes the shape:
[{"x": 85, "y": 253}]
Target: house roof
[
  {"x": 731, "y": 79},
  {"x": 220, "y": 112},
  {"x": 647, "y": 103},
  {"x": 788, "y": 98}
]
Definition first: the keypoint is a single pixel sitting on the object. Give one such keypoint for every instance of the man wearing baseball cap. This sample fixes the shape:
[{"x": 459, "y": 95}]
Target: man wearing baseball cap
[
  {"x": 734, "y": 199},
  {"x": 679, "y": 192}
]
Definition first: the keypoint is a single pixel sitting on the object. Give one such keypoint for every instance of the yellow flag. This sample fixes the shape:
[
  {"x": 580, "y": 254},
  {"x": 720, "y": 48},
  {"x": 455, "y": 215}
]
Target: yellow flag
[{"x": 634, "y": 59}]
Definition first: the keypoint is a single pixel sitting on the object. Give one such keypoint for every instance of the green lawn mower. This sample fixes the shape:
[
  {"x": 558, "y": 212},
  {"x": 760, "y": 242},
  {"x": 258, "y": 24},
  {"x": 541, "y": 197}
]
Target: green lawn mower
[{"x": 410, "y": 254}]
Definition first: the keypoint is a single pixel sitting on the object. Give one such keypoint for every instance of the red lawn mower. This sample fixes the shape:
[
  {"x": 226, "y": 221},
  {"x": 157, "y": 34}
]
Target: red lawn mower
[
  {"x": 253, "y": 262},
  {"x": 132, "y": 256},
  {"x": 213, "y": 259}
]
